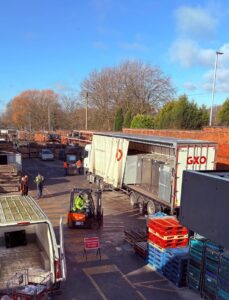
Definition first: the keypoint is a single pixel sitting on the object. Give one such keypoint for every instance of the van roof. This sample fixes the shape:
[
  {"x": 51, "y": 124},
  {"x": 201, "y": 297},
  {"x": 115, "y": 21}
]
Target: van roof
[{"x": 16, "y": 209}]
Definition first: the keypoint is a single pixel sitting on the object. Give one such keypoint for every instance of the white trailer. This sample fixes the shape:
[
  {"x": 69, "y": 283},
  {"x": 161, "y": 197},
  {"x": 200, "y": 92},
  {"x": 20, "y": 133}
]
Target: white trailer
[
  {"x": 149, "y": 168},
  {"x": 28, "y": 242}
]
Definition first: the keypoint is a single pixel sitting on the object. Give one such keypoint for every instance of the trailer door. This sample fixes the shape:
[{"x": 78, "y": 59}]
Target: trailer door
[
  {"x": 108, "y": 158},
  {"x": 192, "y": 157},
  {"x": 62, "y": 253}
]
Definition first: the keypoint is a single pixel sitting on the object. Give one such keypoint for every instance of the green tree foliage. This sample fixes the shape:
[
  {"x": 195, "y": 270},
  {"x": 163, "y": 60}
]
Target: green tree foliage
[
  {"x": 223, "y": 114},
  {"x": 142, "y": 121},
  {"x": 127, "y": 119},
  {"x": 182, "y": 114},
  {"x": 118, "y": 122}
]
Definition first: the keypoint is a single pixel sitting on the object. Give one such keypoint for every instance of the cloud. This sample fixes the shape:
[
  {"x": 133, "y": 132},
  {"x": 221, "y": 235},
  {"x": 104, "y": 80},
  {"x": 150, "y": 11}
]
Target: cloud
[
  {"x": 61, "y": 87},
  {"x": 190, "y": 86},
  {"x": 195, "y": 22},
  {"x": 221, "y": 83},
  {"x": 99, "y": 45},
  {"x": 133, "y": 46},
  {"x": 189, "y": 54}
]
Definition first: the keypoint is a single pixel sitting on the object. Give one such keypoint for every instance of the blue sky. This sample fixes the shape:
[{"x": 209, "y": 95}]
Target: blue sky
[{"x": 54, "y": 44}]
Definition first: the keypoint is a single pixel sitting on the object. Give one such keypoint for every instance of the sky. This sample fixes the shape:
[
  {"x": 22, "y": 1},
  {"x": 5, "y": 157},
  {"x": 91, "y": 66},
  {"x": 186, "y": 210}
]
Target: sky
[{"x": 54, "y": 44}]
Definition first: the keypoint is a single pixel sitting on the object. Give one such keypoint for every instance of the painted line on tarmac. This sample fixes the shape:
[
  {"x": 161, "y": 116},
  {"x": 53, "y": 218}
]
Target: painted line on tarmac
[
  {"x": 141, "y": 284},
  {"x": 108, "y": 269}
]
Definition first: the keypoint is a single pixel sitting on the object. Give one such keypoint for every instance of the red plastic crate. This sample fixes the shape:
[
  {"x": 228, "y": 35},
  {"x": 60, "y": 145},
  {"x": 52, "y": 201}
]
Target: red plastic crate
[
  {"x": 168, "y": 243},
  {"x": 167, "y": 226}
]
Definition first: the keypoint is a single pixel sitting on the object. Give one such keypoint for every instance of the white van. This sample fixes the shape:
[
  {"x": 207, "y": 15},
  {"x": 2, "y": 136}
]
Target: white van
[{"x": 28, "y": 242}]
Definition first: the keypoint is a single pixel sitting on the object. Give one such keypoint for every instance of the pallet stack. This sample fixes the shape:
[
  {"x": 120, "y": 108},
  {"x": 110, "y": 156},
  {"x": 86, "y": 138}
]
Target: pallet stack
[
  {"x": 196, "y": 263},
  {"x": 9, "y": 179},
  {"x": 223, "y": 277},
  {"x": 211, "y": 269},
  {"x": 167, "y": 246}
]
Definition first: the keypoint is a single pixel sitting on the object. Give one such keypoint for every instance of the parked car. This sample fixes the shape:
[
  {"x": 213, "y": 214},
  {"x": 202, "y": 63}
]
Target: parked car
[{"x": 46, "y": 154}]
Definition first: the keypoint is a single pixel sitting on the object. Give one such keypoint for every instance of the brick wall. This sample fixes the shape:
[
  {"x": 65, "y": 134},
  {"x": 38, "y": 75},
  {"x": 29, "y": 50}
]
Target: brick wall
[{"x": 214, "y": 134}]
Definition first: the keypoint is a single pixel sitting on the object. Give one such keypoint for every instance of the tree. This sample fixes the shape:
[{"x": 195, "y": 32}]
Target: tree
[
  {"x": 142, "y": 121},
  {"x": 223, "y": 114},
  {"x": 182, "y": 114},
  {"x": 127, "y": 119},
  {"x": 34, "y": 108},
  {"x": 118, "y": 122},
  {"x": 132, "y": 85}
]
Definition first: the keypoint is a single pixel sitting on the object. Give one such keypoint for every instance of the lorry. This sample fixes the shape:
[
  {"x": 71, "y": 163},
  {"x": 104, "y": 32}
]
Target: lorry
[
  {"x": 28, "y": 242},
  {"x": 148, "y": 168}
]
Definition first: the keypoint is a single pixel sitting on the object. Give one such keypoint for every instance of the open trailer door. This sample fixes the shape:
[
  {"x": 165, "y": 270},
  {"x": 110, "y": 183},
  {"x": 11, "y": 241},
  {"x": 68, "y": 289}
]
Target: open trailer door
[{"x": 62, "y": 253}]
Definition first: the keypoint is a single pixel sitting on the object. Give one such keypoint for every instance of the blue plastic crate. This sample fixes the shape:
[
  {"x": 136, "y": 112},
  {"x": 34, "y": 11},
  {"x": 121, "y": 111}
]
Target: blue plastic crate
[
  {"x": 222, "y": 295},
  {"x": 196, "y": 255},
  {"x": 211, "y": 266},
  {"x": 210, "y": 282},
  {"x": 223, "y": 284},
  {"x": 214, "y": 246},
  {"x": 193, "y": 284},
  {"x": 197, "y": 243},
  {"x": 194, "y": 272},
  {"x": 213, "y": 254}
]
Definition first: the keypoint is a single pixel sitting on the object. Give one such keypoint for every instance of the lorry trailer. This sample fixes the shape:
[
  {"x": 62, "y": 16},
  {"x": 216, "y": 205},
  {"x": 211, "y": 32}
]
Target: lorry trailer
[{"x": 148, "y": 168}]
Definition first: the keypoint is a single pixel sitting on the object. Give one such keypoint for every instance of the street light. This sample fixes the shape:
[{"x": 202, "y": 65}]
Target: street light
[
  {"x": 213, "y": 85},
  {"x": 86, "y": 111}
]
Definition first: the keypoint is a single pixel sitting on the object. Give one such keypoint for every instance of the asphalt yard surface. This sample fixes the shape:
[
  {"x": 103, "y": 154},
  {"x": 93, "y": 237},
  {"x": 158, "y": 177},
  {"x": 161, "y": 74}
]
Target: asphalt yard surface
[{"x": 120, "y": 274}]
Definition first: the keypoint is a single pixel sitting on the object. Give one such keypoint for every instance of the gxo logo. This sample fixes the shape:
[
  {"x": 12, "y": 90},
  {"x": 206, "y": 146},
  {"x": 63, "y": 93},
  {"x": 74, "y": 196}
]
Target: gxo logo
[{"x": 196, "y": 160}]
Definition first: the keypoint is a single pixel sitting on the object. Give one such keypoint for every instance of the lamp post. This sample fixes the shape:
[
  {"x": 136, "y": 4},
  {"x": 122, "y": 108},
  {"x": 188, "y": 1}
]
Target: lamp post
[
  {"x": 86, "y": 111},
  {"x": 213, "y": 85}
]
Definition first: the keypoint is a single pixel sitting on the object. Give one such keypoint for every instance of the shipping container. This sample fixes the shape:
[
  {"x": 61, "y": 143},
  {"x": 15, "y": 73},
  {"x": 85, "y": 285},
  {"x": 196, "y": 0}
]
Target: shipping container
[{"x": 149, "y": 168}]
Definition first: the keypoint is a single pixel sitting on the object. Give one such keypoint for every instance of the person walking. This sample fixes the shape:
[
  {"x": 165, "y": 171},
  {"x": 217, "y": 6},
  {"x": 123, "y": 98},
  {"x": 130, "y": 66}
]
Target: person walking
[
  {"x": 78, "y": 166},
  {"x": 23, "y": 186},
  {"x": 26, "y": 185},
  {"x": 39, "y": 180}
]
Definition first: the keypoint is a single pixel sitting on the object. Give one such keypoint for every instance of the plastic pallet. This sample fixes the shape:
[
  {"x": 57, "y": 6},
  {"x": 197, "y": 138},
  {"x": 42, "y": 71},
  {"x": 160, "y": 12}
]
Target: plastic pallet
[
  {"x": 177, "y": 275},
  {"x": 167, "y": 226},
  {"x": 179, "y": 282},
  {"x": 176, "y": 268},
  {"x": 168, "y": 237},
  {"x": 168, "y": 243}
]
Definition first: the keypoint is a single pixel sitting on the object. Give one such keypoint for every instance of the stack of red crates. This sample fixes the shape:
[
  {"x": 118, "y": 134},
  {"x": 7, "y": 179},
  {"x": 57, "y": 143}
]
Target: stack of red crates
[{"x": 167, "y": 232}]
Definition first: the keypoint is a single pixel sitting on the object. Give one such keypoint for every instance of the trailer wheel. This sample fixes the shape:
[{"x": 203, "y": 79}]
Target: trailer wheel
[
  {"x": 133, "y": 199},
  {"x": 151, "y": 208},
  {"x": 141, "y": 205}
]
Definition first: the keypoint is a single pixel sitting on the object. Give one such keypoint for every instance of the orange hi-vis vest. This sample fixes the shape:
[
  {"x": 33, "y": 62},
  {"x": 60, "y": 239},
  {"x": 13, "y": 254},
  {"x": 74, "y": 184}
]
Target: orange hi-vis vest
[
  {"x": 78, "y": 163},
  {"x": 65, "y": 165}
]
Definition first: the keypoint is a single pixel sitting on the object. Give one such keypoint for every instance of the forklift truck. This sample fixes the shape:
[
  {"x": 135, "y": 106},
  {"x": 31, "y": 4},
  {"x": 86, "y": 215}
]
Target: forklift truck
[{"x": 91, "y": 216}]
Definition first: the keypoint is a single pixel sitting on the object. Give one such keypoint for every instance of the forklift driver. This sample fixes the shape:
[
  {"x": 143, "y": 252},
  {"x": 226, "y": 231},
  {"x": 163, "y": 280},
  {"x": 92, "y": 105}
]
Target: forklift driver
[{"x": 79, "y": 203}]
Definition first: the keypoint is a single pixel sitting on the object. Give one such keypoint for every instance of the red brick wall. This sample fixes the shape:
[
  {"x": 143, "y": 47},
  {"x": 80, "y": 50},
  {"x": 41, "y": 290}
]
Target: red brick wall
[{"x": 214, "y": 134}]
